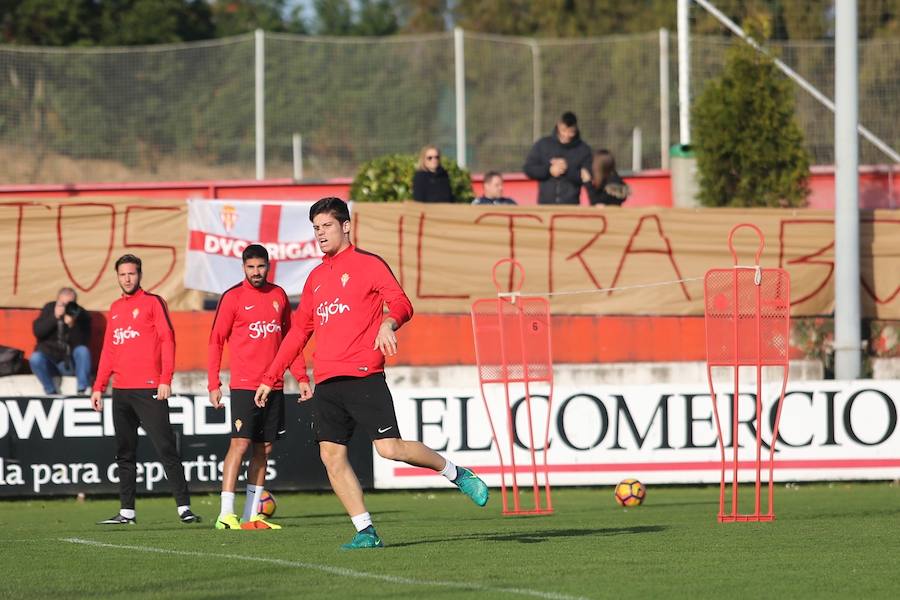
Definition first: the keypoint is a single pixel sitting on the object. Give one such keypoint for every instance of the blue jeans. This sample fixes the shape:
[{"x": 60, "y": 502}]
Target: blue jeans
[{"x": 45, "y": 369}]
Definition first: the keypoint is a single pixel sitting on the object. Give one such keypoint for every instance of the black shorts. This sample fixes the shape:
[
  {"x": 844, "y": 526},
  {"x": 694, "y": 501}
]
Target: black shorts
[
  {"x": 340, "y": 403},
  {"x": 259, "y": 424}
]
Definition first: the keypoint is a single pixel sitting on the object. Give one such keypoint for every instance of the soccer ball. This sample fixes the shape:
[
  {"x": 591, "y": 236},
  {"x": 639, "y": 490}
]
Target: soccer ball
[
  {"x": 267, "y": 504},
  {"x": 630, "y": 492}
]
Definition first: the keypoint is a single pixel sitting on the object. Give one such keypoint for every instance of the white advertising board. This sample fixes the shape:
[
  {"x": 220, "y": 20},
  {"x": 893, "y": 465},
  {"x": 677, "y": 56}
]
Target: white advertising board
[{"x": 663, "y": 433}]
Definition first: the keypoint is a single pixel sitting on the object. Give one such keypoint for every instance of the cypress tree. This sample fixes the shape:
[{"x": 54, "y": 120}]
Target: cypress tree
[{"x": 748, "y": 145}]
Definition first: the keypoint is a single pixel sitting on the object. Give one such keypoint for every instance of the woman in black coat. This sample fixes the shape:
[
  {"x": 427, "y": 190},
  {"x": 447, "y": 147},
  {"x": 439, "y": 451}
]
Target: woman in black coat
[
  {"x": 604, "y": 186},
  {"x": 431, "y": 182}
]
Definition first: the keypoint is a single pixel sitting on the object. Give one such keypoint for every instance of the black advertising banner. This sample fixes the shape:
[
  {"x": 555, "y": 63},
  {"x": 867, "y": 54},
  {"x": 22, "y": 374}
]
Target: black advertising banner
[{"x": 55, "y": 446}]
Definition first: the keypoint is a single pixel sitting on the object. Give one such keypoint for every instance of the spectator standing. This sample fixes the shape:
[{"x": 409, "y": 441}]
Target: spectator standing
[
  {"x": 493, "y": 190},
  {"x": 605, "y": 186},
  {"x": 556, "y": 162},
  {"x": 63, "y": 331},
  {"x": 431, "y": 182}
]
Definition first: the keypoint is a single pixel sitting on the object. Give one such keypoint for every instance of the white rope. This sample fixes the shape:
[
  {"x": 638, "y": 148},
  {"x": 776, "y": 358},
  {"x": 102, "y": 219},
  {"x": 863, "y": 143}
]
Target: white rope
[
  {"x": 757, "y": 279},
  {"x": 757, "y": 276},
  {"x": 515, "y": 295}
]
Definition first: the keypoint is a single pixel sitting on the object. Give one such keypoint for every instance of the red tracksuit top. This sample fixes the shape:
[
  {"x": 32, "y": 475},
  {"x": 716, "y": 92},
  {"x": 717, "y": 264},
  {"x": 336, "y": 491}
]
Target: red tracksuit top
[
  {"x": 253, "y": 322},
  {"x": 139, "y": 344},
  {"x": 343, "y": 304}
]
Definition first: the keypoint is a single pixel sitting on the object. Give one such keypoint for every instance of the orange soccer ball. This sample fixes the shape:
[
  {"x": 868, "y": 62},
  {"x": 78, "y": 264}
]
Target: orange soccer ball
[
  {"x": 267, "y": 504},
  {"x": 630, "y": 492}
]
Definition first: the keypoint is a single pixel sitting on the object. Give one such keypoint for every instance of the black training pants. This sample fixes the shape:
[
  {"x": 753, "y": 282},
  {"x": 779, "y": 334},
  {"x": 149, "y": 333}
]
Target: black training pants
[{"x": 133, "y": 408}]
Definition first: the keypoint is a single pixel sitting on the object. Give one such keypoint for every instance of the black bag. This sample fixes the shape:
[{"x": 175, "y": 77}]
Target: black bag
[{"x": 11, "y": 361}]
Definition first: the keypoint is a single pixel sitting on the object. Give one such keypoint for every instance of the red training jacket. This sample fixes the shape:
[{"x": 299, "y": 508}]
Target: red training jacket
[
  {"x": 139, "y": 344},
  {"x": 343, "y": 304},
  {"x": 253, "y": 322}
]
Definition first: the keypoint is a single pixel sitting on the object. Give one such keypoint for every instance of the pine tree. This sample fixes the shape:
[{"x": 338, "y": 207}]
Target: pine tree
[{"x": 748, "y": 145}]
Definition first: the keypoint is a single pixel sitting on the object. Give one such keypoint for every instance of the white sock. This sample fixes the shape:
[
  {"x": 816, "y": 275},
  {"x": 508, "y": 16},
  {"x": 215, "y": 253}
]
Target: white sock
[
  {"x": 361, "y": 521},
  {"x": 183, "y": 508},
  {"x": 449, "y": 470},
  {"x": 227, "y": 504},
  {"x": 251, "y": 506},
  {"x": 128, "y": 513}
]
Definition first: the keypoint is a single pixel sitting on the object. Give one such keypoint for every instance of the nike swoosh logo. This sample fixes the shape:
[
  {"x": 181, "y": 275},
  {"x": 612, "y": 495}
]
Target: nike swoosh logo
[
  {"x": 380, "y": 430},
  {"x": 115, "y": 317},
  {"x": 155, "y": 396},
  {"x": 316, "y": 289},
  {"x": 249, "y": 307}
]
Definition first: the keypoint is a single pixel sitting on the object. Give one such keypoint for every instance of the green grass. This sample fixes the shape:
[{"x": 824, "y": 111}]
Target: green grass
[{"x": 830, "y": 540}]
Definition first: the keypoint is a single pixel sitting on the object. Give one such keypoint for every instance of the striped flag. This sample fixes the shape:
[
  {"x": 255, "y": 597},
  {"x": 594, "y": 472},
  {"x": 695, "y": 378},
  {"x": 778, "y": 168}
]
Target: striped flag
[{"x": 219, "y": 230}]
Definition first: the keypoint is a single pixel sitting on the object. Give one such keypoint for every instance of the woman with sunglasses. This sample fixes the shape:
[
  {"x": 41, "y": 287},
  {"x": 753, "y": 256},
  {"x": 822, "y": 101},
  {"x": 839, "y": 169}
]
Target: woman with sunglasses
[{"x": 431, "y": 183}]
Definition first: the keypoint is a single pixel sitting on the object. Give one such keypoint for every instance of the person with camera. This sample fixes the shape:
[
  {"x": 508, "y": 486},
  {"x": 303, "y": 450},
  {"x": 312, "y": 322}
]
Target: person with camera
[{"x": 63, "y": 331}]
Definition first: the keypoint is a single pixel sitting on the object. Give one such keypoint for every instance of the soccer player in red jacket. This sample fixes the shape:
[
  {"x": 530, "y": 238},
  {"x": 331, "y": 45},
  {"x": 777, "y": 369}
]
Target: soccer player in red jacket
[
  {"x": 343, "y": 304},
  {"x": 253, "y": 317},
  {"x": 139, "y": 352}
]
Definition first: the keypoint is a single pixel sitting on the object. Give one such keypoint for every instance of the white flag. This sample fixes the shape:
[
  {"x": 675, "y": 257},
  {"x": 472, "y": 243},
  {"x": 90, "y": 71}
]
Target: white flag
[{"x": 219, "y": 230}]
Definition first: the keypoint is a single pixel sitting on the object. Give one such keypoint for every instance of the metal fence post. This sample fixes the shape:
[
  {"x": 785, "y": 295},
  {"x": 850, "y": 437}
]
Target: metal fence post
[
  {"x": 664, "y": 117},
  {"x": 460, "y": 68},
  {"x": 260, "y": 100},
  {"x": 684, "y": 72},
  {"x": 847, "y": 330},
  {"x": 297, "y": 145},
  {"x": 537, "y": 99},
  {"x": 637, "y": 149}
]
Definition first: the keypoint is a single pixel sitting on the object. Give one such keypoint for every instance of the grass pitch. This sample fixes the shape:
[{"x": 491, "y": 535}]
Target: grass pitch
[{"x": 830, "y": 540}]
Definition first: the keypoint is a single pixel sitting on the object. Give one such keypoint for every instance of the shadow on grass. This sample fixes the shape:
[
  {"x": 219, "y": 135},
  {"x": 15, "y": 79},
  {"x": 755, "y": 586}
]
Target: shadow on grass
[
  {"x": 662, "y": 505},
  {"x": 536, "y": 537},
  {"x": 787, "y": 514},
  {"x": 209, "y": 522},
  {"x": 333, "y": 515}
]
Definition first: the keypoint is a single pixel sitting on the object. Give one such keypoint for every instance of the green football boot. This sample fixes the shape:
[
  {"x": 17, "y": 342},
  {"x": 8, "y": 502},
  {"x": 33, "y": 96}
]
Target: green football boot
[
  {"x": 471, "y": 485},
  {"x": 367, "y": 538}
]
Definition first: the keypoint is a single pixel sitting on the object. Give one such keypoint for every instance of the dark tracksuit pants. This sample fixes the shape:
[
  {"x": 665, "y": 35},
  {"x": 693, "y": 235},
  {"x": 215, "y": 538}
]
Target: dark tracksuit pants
[{"x": 134, "y": 408}]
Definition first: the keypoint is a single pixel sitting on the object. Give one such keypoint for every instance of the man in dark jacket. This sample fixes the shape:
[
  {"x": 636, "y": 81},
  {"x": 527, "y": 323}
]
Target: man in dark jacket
[
  {"x": 63, "y": 331},
  {"x": 556, "y": 162},
  {"x": 493, "y": 190}
]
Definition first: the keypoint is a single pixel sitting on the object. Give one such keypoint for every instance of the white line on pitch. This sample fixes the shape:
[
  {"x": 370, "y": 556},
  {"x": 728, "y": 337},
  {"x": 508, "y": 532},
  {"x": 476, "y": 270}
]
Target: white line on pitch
[{"x": 332, "y": 570}]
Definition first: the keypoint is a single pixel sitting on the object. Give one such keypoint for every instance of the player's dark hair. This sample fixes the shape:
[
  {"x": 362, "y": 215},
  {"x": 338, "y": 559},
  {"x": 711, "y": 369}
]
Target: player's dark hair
[
  {"x": 255, "y": 251},
  {"x": 568, "y": 119},
  {"x": 128, "y": 259},
  {"x": 335, "y": 206},
  {"x": 491, "y": 174}
]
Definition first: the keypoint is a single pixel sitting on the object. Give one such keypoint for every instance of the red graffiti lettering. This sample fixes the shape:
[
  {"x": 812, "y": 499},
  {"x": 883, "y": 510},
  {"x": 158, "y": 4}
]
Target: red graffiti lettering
[
  {"x": 109, "y": 245},
  {"x": 579, "y": 252},
  {"x": 511, "y": 225},
  {"x": 870, "y": 288},
  {"x": 17, "y": 254},
  {"x": 812, "y": 258},
  {"x": 667, "y": 251},
  {"x": 420, "y": 250},
  {"x": 128, "y": 244}
]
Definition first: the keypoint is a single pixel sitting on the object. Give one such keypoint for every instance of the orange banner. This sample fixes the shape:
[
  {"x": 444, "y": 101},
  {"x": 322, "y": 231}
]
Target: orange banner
[{"x": 444, "y": 254}]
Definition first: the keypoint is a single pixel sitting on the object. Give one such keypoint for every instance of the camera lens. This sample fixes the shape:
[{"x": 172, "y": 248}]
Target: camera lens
[{"x": 72, "y": 309}]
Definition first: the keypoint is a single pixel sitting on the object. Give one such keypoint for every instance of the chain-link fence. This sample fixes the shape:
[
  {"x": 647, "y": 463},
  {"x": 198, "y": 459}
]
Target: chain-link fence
[
  {"x": 879, "y": 86},
  {"x": 187, "y": 111}
]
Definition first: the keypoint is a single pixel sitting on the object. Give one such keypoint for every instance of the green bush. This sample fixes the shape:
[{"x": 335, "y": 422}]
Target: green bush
[
  {"x": 388, "y": 178},
  {"x": 748, "y": 145}
]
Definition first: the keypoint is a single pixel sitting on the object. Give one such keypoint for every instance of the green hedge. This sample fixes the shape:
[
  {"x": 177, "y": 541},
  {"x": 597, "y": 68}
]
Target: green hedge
[{"x": 388, "y": 178}]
